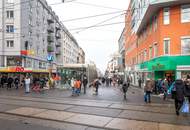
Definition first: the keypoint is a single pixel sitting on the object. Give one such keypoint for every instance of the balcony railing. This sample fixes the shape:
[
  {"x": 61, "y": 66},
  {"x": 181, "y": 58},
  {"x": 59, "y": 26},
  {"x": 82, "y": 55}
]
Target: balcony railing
[
  {"x": 50, "y": 38},
  {"x": 58, "y": 43},
  {"x": 50, "y": 48},
  {"x": 58, "y": 35},
  {"x": 58, "y": 27},
  {"x": 50, "y": 29},
  {"x": 58, "y": 51},
  {"x": 50, "y": 19}
]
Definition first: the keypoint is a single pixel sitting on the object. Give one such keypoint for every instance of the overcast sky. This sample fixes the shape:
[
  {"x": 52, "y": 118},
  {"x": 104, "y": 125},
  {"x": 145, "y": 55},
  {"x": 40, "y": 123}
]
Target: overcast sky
[{"x": 97, "y": 42}]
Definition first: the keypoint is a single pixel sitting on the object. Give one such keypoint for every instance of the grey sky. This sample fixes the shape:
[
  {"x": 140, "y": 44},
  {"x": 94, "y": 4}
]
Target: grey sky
[{"x": 98, "y": 43}]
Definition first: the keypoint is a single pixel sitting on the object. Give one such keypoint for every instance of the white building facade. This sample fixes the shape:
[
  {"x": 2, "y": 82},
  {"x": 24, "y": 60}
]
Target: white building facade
[{"x": 31, "y": 33}]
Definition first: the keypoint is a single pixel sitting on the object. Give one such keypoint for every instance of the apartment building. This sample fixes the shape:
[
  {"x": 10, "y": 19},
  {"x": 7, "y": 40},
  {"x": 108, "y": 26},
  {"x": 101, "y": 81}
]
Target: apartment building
[
  {"x": 121, "y": 44},
  {"x": 70, "y": 48},
  {"x": 81, "y": 56},
  {"x": 157, "y": 39},
  {"x": 32, "y": 36}
]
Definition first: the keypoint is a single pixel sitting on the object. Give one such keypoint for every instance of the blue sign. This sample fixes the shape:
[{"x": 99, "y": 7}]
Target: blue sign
[{"x": 50, "y": 58}]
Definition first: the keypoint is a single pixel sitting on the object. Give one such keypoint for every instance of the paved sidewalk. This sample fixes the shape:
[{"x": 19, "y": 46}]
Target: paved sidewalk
[
  {"x": 134, "y": 95},
  {"x": 95, "y": 121},
  {"x": 105, "y": 111}
]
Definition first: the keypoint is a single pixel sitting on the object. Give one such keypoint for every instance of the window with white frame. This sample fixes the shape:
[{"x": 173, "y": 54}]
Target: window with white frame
[
  {"x": 10, "y": 1},
  {"x": 185, "y": 45},
  {"x": 10, "y": 14},
  {"x": 166, "y": 46},
  {"x": 166, "y": 18},
  {"x": 185, "y": 13},
  {"x": 9, "y": 28},
  {"x": 10, "y": 43}
]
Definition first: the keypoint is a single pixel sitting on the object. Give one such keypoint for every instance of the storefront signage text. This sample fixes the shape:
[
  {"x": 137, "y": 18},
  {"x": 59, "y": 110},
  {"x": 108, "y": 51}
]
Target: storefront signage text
[{"x": 158, "y": 67}]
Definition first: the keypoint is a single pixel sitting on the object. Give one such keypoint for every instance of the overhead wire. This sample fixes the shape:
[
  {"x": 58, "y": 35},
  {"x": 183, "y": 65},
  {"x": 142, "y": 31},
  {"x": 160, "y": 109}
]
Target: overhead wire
[
  {"x": 94, "y": 25},
  {"x": 95, "y": 5}
]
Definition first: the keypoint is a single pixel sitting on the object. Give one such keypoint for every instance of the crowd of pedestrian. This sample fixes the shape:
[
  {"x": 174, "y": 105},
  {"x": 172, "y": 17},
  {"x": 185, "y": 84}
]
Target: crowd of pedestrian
[
  {"x": 76, "y": 85},
  {"x": 28, "y": 82},
  {"x": 179, "y": 90}
]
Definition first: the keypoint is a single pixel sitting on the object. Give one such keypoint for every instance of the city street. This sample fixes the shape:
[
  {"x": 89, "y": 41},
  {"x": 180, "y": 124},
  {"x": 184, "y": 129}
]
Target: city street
[{"x": 57, "y": 109}]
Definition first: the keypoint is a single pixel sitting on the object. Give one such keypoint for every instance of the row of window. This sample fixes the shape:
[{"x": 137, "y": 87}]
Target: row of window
[
  {"x": 185, "y": 14},
  {"x": 153, "y": 50}
]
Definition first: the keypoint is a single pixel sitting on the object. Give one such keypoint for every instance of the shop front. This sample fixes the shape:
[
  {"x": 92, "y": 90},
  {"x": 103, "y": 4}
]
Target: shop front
[{"x": 171, "y": 67}]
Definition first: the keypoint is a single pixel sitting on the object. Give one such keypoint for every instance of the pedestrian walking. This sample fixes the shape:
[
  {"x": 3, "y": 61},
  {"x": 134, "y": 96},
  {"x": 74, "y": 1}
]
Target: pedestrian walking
[
  {"x": 85, "y": 82},
  {"x": 77, "y": 86},
  {"x": 139, "y": 81},
  {"x": 16, "y": 82},
  {"x": 125, "y": 87},
  {"x": 9, "y": 81},
  {"x": 27, "y": 84},
  {"x": 148, "y": 90},
  {"x": 187, "y": 89},
  {"x": 73, "y": 85},
  {"x": 96, "y": 85},
  {"x": 179, "y": 97}
]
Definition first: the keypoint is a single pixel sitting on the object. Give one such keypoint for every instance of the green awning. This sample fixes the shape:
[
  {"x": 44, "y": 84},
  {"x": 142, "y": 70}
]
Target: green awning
[{"x": 165, "y": 63}]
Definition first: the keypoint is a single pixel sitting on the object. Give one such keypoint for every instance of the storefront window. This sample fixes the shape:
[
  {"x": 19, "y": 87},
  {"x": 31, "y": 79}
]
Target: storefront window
[{"x": 14, "y": 61}]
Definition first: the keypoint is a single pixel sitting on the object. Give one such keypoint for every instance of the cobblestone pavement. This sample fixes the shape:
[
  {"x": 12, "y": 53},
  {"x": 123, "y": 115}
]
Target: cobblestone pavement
[{"x": 57, "y": 109}]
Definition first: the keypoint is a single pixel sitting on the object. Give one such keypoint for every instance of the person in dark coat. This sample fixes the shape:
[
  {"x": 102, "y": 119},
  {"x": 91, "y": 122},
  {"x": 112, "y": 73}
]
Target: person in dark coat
[
  {"x": 125, "y": 87},
  {"x": 96, "y": 85},
  {"x": 9, "y": 81},
  {"x": 179, "y": 97},
  {"x": 187, "y": 89},
  {"x": 85, "y": 82},
  {"x": 16, "y": 82}
]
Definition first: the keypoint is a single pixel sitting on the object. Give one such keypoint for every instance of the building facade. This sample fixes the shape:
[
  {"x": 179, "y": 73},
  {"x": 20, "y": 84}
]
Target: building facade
[
  {"x": 81, "y": 56},
  {"x": 121, "y": 44},
  {"x": 32, "y": 36},
  {"x": 70, "y": 48},
  {"x": 158, "y": 39}
]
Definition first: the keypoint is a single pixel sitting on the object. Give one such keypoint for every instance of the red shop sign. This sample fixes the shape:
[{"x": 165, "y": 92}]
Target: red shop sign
[{"x": 19, "y": 69}]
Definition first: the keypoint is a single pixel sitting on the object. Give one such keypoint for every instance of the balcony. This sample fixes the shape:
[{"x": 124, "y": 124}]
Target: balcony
[
  {"x": 57, "y": 27},
  {"x": 50, "y": 38},
  {"x": 50, "y": 19},
  {"x": 58, "y": 43},
  {"x": 50, "y": 29},
  {"x": 58, "y": 35},
  {"x": 50, "y": 48},
  {"x": 58, "y": 51}
]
